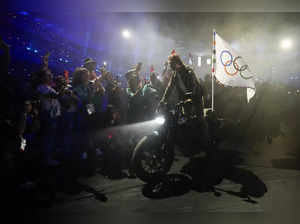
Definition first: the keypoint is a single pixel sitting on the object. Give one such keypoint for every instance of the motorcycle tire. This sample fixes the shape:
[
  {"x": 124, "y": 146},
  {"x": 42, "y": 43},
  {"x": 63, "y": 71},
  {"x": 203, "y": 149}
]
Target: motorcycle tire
[{"x": 143, "y": 146}]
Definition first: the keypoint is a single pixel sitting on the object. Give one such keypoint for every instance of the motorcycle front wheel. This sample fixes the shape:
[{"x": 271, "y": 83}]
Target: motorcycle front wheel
[{"x": 152, "y": 158}]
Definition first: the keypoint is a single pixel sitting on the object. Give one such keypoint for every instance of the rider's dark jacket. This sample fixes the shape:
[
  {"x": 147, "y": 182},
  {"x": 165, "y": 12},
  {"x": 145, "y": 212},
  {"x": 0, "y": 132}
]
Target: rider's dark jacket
[{"x": 184, "y": 80}]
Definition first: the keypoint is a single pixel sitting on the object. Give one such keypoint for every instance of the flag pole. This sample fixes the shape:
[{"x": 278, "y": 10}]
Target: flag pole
[{"x": 213, "y": 70}]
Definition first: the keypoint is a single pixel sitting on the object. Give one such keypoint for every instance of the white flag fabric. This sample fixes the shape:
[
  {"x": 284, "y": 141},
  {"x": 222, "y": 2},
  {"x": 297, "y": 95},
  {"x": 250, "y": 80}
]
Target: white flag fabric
[{"x": 230, "y": 68}]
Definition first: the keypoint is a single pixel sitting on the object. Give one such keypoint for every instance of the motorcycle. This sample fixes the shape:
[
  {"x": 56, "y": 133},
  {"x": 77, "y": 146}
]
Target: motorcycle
[{"x": 182, "y": 126}]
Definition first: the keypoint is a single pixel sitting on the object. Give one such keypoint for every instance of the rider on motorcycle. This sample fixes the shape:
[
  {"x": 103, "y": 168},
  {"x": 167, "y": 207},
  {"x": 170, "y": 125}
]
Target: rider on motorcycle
[
  {"x": 185, "y": 81},
  {"x": 189, "y": 89}
]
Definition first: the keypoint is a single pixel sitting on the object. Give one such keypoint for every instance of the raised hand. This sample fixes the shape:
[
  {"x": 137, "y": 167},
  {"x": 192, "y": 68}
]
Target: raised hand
[{"x": 46, "y": 59}]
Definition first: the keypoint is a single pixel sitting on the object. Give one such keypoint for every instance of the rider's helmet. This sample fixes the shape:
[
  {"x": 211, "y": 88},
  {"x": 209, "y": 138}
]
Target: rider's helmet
[{"x": 174, "y": 60}]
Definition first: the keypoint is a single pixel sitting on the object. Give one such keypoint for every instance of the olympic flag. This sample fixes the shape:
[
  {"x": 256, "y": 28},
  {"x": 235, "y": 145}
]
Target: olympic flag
[{"x": 229, "y": 68}]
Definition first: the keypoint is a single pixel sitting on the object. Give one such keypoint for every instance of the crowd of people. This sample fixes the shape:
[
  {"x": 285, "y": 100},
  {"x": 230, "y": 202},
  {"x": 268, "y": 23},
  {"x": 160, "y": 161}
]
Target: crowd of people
[{"x": 56, "y": 118}]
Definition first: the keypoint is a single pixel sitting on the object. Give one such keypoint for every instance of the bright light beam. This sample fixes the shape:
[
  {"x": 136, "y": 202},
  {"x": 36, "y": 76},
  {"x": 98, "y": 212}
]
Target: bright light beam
[
  {"x": 126, "y": 34},
  {"x": 286, "y": 44},
  {"x": 159, "y": 120}
]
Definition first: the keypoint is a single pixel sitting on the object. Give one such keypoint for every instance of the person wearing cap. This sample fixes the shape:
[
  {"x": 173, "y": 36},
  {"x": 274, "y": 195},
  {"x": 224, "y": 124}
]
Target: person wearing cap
[
  {"x": 135, "y": 71},
  {"x": 91, "y": 65}
]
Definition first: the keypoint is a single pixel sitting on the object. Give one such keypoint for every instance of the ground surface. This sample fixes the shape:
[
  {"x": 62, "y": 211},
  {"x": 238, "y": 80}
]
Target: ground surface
[{"x": 275, "y": 165}]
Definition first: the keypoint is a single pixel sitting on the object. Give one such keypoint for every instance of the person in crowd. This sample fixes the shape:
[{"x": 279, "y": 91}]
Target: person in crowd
[
  {"x": 68, "y": 99},
  {"x": 134, "y": 72},
  {"x": 142, "y": 99},
  {"x": 156, "y": 83},
  {"x": 90, "y": 116},
  {"x": 50, "y": 110},
  {"x": 81, "y": 85},
  {"x": 28, "y": 128},
  {"x": 29, "y": 123},
  {"x": 67, "y": 122},
  {"x": 152, "y": 93},
  {"x": 117, "y": 102},
  {"x": 135, "y": 99},
  {"x": 91, "y": 65},
  {"x": 89, "y": 93}
]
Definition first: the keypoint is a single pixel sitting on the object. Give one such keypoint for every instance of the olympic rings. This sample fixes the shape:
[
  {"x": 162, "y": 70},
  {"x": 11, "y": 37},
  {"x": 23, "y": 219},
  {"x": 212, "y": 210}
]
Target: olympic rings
[
  {"x": 221, "y": 57},
  {"x": 225, "y": 68},
  {"x": 244, "y": 77},
  {"x": 243, "y": 68},
  {"x": 235, "y": 65}
]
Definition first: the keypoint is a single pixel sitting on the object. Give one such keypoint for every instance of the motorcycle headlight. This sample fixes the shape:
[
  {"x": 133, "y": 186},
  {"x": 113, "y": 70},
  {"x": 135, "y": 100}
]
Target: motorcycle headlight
[{"x": 159, "y": 120}]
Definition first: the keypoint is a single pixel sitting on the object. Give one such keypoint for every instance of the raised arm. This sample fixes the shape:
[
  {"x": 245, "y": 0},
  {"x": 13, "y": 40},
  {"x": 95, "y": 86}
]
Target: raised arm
[
  {"x": 45, "y": 62},
  {"x": 169, "y": 88}
]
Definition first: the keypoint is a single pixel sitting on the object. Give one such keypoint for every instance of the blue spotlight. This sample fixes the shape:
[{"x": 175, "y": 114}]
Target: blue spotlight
[
  {"x": 35, "y": 51},
  {"x": 28, "y": 48},
  {"x": 60, "y": 59}
]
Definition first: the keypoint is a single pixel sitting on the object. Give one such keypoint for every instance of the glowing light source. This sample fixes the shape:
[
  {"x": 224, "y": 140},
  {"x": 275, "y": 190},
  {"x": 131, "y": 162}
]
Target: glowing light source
[
  {"x": 199, "y": 61},
  {"x": 159, "y": 120},
  {"x": 286, "y": 44},
  {"x": 104, "y": 63},
  {"x": 126, "y": 34},
  {"x": 35, "y": 51},
  {"x": 208, "y": 61}
]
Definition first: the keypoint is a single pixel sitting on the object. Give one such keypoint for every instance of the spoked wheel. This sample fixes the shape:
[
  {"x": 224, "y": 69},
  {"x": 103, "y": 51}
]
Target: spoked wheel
[{"x": 152, "y": 158}]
